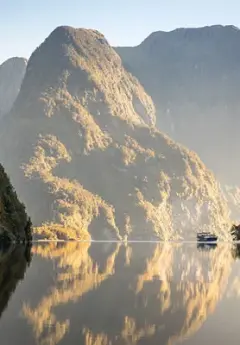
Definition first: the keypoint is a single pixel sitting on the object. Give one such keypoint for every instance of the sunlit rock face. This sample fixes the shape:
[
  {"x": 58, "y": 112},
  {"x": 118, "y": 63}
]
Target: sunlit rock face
[
  {"x": 82, "y": 150},
  {"x": 12, "y": 72},
  {"x": 232, "y": 195},
  {"x": 112, "y": 294}
]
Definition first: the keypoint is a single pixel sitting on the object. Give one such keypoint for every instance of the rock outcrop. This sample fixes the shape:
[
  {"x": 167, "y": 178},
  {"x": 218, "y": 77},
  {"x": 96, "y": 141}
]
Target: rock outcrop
[
  {"x": 83, "y": 151},
  {"x": 11, "y": 76}
]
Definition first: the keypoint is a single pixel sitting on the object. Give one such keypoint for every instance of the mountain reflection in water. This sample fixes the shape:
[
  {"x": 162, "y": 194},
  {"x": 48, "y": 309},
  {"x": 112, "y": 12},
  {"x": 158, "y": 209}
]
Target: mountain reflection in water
[
  {"x": 13, "y": 263},
  {"x": 111, "y": 293}
]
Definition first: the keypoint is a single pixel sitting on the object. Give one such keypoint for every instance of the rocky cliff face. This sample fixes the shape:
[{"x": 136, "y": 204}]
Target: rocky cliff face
[
  {"x": 82, "y": 150},
  {"x": 193, "y": 76},
  {"x": 14, "y": 223},
  {"x": 11, "y": 75}
]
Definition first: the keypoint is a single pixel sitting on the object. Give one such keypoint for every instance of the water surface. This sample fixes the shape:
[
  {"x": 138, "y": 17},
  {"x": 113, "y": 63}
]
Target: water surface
[{"x": 112, "y": 293}]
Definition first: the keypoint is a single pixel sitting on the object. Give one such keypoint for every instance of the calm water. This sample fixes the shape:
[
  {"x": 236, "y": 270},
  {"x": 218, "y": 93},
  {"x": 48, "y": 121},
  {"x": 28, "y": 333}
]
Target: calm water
[{"x": 107, "y": 293}]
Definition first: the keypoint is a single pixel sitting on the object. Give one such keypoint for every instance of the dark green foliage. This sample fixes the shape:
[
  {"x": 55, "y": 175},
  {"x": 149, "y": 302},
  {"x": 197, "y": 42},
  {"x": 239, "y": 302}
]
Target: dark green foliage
[
  {"x": 28, "y": 231},
  {"x": 14, "y": 222}
]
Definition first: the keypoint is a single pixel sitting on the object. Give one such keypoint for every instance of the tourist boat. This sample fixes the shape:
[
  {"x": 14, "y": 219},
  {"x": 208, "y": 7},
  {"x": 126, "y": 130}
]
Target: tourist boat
[{"x": 206, "y": 237}]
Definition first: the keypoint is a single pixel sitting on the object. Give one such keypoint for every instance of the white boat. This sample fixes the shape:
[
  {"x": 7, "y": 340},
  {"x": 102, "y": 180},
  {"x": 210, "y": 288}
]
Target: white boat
[{"x": 206, "y": 237}]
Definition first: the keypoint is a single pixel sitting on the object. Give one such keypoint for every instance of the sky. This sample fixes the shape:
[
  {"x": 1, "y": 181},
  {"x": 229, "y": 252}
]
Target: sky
[{"x": 24, "y": 24}]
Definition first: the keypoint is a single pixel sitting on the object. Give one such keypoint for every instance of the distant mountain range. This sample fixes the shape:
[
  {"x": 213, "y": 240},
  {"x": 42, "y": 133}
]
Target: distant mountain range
[
  {"x": 12, "y": 72},
  {"x": 83, "y": 152},
  {"x": 193, "y": 77}
]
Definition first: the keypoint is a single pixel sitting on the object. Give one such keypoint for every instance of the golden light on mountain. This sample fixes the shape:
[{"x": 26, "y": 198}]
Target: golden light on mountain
[{"x": 83, "y": 153}]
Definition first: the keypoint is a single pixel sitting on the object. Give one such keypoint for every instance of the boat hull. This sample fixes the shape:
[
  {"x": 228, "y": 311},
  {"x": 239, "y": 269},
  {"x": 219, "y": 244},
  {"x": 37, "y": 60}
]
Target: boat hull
[{"x": 207, "y": 238}]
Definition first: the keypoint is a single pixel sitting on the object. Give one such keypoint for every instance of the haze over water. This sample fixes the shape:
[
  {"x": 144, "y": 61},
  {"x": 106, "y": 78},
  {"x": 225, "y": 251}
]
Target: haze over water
[{"x": 112, "y": 293}]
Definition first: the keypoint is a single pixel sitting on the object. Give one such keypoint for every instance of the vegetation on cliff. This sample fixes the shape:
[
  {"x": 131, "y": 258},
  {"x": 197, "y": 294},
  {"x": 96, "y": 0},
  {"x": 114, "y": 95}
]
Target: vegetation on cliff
[{"x": 14, "y": 223}]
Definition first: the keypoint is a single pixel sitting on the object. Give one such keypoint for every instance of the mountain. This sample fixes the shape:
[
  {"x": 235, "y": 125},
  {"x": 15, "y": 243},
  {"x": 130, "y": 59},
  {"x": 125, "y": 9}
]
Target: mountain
[
  {"x": 11, "y": 75},
  {"x": 14, "y": 223},
  {"x": 81, "y": 147},
  {"x": 193, "y": 76}
]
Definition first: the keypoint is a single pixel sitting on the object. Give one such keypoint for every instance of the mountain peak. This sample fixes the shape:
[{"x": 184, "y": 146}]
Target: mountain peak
[
  {"x": 64, "y": 39},
  {"x": 75, "y": 36},
  {"x": 193, "y": 33},
  {"x": 11, "y": 75},
  {"x": 14, "y": 61},
  {"x": 70, "y": 30},
  {"x": 78, "y": 61}
]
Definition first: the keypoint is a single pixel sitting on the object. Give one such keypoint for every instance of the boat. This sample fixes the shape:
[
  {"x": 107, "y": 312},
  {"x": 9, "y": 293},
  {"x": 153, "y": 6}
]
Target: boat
[{"x": 206, "y": 237}]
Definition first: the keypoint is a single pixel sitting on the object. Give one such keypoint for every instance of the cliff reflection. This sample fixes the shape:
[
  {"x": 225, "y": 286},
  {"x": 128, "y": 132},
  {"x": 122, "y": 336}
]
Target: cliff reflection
[
  {"x": 13, "y": 263},
  {"x": 236, "y": 251},
  {"x": 128, "y": 294}
]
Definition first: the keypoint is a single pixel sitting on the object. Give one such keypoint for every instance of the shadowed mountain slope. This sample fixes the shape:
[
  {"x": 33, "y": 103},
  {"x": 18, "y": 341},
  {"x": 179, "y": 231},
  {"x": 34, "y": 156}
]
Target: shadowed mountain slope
[{"x": 193, "y": 76}]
